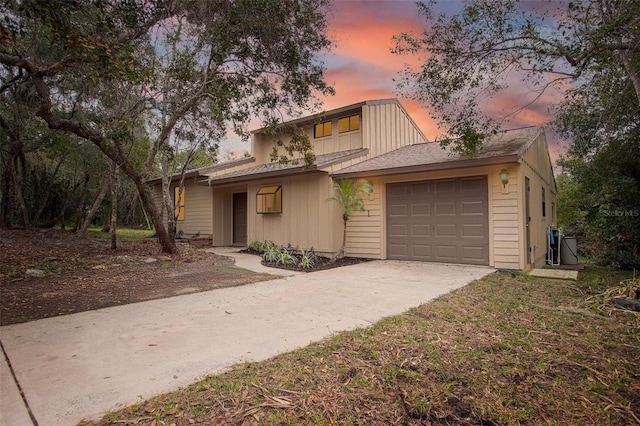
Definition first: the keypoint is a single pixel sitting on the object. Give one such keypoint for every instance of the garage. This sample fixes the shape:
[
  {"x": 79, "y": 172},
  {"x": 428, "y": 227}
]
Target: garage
[{"x": 443, "y": 220}]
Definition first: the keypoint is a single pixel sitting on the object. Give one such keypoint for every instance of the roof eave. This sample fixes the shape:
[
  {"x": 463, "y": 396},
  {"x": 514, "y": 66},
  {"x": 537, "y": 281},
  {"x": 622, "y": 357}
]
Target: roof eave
[
  {"x": 364, "y": 151},
  {"x": 187, "y": 175},
  {"x": 263, "y": 175},
  {"x": 457, "y": 164},
  {"x": 196, "y": 172},
  {"x": 526, "y": 146}
]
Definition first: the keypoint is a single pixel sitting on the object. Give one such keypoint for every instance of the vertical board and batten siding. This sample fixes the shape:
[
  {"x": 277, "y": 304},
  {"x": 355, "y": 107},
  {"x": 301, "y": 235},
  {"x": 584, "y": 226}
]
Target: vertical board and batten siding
[
  {"x": 262, "y": 145},
  {"x": 307, "y": 219},
  {"x": 221, "y": 201},
  {"x": 386, "y": 126},
  {"x": 536, "y": 165},
  {"x": 336, "y": 142},
  {"x": 222, "y": 213}
]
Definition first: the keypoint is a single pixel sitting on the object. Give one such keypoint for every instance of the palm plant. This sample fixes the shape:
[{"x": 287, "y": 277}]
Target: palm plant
[{"x": 349, "y": 198}]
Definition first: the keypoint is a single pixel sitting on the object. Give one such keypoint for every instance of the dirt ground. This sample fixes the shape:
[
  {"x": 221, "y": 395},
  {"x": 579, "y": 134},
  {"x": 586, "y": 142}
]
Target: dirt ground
[{"x": 46, "y": 273}]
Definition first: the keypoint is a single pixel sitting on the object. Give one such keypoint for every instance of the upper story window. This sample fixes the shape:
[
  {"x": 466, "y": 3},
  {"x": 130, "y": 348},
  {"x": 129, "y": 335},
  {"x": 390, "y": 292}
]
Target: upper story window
[
  {"x": 348, "y": 124},
  {"x": 178, "y": 203},
  {"x": 269, "y": 199},
  {"x": 322, "y": 130},
  {"x": 544, "y": 203}
]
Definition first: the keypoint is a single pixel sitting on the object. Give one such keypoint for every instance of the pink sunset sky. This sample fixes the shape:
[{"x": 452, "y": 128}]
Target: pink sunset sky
[{"x": 361, "y": 66}]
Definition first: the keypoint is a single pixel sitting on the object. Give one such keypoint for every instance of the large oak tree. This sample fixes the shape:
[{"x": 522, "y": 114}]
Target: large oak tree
[{"x": 101, "y": 70}]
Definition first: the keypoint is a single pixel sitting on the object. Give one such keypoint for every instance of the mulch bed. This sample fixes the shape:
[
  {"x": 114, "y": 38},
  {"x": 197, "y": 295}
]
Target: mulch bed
[{"x": 321, "y": 263}]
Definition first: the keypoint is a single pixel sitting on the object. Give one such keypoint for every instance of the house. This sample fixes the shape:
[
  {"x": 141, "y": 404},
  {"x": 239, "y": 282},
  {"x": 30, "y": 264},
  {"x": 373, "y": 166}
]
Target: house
[
  {"x": 427, "y": 203},
  {"x": 196, "y": 219}
]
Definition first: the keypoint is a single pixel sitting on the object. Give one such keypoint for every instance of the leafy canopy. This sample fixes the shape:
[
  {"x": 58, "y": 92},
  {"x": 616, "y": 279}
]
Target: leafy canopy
[
  {"x": 349, "y": 195},
  {"x": 470, "y": 56},
  {"x": 184, "y": 71}
]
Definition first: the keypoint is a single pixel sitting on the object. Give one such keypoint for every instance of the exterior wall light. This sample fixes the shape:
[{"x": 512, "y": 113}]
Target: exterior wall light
[
  {"x": 504, "y": 177},
  {"x": 368, "y": 186}
]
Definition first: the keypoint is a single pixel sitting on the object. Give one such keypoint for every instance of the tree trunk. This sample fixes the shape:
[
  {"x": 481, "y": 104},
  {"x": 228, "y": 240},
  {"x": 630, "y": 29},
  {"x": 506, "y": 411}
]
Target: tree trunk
[
  {"x": 114, "y": 204},
  {"x": 144, "y": 212},
  {"x": 169, "y": 206},
  {"x": 340, "y": 252},
  {"x": 65, "y": 204},
  {"x": 81, "y": 203},
  {"x": 45, "y": 199},
  {"x": 82, "y": 232},
  {"x": 7, "y": 194},
  {"x": 18, "y": 183},
  {"x": 168, "y": 244},
  {"x": 131, "y": 206},
  {"x": 112, "y": 152}
]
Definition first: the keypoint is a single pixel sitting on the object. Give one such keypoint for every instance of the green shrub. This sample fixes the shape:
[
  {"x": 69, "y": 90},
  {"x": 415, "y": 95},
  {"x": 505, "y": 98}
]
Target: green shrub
[
  {"x": 256, "y": 246},
  {"x": 308, "y": 258},
  {"x": 620, "y": 259},
  {"x": 272, "y": 253},
  {"x": 287, "y": 257},
  {"x": 260, "y": 246}
]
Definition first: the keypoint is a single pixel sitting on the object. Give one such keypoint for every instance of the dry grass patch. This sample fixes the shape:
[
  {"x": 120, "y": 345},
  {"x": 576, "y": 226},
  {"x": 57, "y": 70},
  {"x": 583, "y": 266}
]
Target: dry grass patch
[{"x": 508, "y": 349}]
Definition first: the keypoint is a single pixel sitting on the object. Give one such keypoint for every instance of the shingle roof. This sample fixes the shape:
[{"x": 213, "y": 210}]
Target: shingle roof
[
  {"x": 504, "y": 146},
  {"x": 280, "y": 169},
  {"x": 203, "y": 171}
]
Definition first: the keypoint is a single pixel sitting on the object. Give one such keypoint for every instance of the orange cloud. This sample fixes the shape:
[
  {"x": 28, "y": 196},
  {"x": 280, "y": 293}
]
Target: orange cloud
[
  {"x": 361, "y": 66},
  {"x": 370, "y": 44}
]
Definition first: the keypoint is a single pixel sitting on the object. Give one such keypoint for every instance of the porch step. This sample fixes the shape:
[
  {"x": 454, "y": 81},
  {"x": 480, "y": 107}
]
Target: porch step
[{"x": 558, "y": 274}]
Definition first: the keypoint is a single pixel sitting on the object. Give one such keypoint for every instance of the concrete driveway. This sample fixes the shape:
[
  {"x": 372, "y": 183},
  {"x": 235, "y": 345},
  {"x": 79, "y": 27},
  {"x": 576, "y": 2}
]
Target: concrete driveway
[{"x": 76, "y": 367}]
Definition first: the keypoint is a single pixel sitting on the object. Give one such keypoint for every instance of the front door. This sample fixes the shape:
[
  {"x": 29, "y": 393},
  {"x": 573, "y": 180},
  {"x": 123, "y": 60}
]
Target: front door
[{"x": 240, "y": 219}]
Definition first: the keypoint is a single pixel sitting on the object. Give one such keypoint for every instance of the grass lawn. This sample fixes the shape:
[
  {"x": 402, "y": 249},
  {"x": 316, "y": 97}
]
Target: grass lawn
[
  {"x": 508, "y": 349},
  {"x": 124, "y": 234}
]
